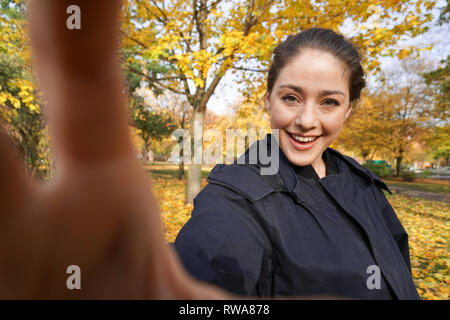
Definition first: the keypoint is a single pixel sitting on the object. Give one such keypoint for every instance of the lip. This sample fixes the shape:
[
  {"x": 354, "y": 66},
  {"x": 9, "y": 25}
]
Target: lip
[
  {"x": 303, "y": 136},
  {"x": 302, "y": 146}
]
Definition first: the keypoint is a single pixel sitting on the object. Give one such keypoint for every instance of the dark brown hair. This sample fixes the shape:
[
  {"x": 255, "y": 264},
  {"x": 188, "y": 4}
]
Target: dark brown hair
[{"x": 324, "y": 40}]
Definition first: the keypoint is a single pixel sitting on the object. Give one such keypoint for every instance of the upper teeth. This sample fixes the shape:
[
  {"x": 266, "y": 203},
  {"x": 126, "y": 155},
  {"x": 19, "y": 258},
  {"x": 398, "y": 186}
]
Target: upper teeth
[{"x": 304, "y": 139}]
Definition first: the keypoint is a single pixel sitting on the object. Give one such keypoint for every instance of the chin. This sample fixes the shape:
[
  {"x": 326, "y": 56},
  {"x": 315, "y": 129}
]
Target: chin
[
  {"x": 300, "y": 160},
  {"x": 296, "y": 157}
]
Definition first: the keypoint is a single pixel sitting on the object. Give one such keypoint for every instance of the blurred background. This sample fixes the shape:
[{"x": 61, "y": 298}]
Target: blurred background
[{"x": 207, "y": 61}]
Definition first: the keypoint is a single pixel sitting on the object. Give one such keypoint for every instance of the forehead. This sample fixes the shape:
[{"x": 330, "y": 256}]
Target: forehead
[{"x": 315, "y": 70}]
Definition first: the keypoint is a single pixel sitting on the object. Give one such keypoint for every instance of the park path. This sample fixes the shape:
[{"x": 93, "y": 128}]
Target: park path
[{"x": 409, "y": 192}]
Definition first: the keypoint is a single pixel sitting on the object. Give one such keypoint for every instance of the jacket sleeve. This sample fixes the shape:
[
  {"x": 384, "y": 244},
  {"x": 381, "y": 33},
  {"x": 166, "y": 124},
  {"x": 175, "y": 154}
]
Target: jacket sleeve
[
  {"x": 221, "y": 244},
  {"x": 395, "y": 226}
]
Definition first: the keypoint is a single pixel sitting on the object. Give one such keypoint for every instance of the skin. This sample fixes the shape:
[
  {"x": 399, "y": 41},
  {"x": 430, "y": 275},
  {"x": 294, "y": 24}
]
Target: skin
[
  {"x": 310, "y": 98},
  {"x": 99, "y": 212}
]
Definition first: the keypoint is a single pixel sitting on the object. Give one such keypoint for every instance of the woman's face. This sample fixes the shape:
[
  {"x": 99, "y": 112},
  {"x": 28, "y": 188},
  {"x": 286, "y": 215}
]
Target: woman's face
[{"x": 308, "y": 104}]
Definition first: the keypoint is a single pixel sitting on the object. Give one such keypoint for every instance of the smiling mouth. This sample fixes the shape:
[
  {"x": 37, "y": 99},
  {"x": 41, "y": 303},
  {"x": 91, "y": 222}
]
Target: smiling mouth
[{"x": 303, "y": 139}]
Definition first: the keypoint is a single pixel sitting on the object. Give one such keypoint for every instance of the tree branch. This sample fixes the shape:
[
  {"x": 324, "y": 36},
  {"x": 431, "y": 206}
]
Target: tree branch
[
  {"x": 154, "y": 80},
  {"x": 250, "y": 69},
  {"x": 213, "y": 5}
]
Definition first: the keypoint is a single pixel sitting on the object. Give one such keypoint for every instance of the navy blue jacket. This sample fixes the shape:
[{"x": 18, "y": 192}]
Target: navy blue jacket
[{"x": 285, "y": 235}]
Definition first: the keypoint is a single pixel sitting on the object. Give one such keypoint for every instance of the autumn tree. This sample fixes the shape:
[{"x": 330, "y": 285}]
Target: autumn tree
[
  {"x": 390, "y": 120},
  {"x": 248, "y": 121},
  {"x": 180, "y": 112},
  {"x": 199, "y": 41},
  {"x": 360, "y": 133},
  {"x": 439, "y": 78},
  {"x": 404, "y": 105},
  {"x": 152, "y": 124},
  {"x": 20, "y": 109},
  {"x": 439, "y": 142},
  {"x": 439, "y": 82}
]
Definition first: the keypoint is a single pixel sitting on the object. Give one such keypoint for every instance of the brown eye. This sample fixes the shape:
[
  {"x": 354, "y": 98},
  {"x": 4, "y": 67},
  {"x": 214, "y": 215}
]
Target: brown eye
[
  {"x": 289, "y": 98},
  {"x": 331, "y": 102}
]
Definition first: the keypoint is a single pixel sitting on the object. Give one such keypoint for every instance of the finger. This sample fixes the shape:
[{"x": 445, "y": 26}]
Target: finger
[
  {"x": 80, "y": 75},
  {"x": 13, "y": 182},
  {"x": 80, "y": 36}
]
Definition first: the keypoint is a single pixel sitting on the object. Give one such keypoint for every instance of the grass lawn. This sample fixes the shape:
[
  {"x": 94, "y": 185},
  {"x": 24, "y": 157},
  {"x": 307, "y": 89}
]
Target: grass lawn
[
  {"x": 427, "y": 224},
  {"x": 421, "y": 186}
]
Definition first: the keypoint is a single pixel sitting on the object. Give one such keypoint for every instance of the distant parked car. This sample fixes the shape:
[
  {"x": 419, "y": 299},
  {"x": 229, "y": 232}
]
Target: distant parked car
[
  {"x": 380, "y": 162},
  {"x": 443, "y": 171},
  {"x": 415, "y": 169}
]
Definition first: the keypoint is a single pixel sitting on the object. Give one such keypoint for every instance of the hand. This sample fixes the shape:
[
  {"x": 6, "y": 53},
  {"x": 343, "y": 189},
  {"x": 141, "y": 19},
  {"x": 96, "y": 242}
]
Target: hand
[{"x": 99, "y": 212}]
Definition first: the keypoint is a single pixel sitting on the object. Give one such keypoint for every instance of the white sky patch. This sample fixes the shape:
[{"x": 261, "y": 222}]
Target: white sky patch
[{"x": 226, "y": 95}]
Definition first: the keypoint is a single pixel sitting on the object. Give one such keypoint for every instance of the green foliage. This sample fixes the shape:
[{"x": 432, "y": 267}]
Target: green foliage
[
  {"x": 407, "y": 175},
  {"x": 439, "y": 81},
  {"x": 425, "y": 174},
  {"x": 19, "y": 99},
  {"x": 152, "y": 124},
  {"x": 379, "y": 169},
  {"x": 14, "y": 9},
  {"x": 439, "y": 142},
  {"x": 444, "y": 17}
]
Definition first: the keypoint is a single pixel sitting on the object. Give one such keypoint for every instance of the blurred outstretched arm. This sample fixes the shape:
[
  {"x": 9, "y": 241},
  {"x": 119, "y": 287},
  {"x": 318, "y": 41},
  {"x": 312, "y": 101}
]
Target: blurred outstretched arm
[{"x": 99, "y": 212}]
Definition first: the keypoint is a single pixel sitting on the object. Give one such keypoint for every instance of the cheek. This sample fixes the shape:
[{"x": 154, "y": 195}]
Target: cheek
[
  {"x": 333, "y": 125},
  {"x": 280, "y": 118}
]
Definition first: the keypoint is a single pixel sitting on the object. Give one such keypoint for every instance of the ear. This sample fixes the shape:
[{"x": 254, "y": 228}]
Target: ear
[{"x": 349, "y": 111}]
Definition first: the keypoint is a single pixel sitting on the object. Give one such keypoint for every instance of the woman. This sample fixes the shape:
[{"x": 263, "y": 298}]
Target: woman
[{"x": 321, "y": 224}]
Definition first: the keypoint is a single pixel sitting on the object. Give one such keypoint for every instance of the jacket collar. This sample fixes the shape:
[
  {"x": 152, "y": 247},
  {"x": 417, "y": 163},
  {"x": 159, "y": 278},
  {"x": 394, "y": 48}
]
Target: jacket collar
[
  {"x": 292, "y": 182},
  {"x": 359, "y": 169},
  {"x": 246, "y": 177}
]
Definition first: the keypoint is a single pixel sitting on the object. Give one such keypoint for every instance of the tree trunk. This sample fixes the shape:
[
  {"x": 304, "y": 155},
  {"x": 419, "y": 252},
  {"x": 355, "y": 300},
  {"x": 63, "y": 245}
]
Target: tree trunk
[
  {"x": 181, "y": 154},
  {"x": 181, "y": 170},
  {"x": 398, "y": 163},
  {"x": 181, "y": 165},
  {"x": 365, "y": 154},
  {"x": 195, "y": 168},
  {"x": 145, "y": 151}
]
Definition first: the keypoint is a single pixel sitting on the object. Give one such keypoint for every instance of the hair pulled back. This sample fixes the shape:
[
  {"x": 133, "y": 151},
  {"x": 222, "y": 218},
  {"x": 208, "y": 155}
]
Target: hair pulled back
[{"x": 325, "y": 40}]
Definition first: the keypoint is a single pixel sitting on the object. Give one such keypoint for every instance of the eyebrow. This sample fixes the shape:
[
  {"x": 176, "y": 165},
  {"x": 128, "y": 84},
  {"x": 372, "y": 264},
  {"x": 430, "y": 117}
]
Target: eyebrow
[{"x": 299, "y": 90}]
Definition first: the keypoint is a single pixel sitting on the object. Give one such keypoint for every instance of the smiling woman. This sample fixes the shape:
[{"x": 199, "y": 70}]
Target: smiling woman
[
  {"x": 321, "y": 223},
  {"x": 309, "y": 103},
  {"x": 312, "y": 81}
]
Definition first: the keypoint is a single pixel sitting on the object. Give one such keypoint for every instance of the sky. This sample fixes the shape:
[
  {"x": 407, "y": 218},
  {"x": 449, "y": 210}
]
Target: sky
[{"x": 227, "y": 93}]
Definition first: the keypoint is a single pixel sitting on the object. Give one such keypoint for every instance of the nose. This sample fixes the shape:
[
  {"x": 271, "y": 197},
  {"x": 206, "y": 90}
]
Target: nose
[{"x": 306, "y": 117}]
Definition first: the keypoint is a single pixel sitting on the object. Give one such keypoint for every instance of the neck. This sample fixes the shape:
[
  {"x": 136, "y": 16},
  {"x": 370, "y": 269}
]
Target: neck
[{"x": 319, "y": 166}]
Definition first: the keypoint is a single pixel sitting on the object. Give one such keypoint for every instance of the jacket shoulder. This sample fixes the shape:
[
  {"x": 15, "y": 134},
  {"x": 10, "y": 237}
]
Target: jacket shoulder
[
  {"x": 246, "y": 180},
  {"x": 359, "y": 169}
]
